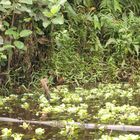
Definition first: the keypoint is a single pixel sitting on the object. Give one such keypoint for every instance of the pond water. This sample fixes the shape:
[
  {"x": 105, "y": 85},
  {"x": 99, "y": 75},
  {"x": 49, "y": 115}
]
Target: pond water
[{"x": 106, "y": 104}]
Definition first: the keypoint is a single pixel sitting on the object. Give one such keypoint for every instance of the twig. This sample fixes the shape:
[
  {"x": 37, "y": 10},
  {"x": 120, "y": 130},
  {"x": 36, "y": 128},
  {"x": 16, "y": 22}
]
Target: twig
[{"x": 61, "y": 124}]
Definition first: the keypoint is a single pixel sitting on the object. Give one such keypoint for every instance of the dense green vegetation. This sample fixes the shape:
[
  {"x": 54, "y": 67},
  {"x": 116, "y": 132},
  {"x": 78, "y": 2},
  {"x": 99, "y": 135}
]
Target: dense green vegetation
[
  {"x": 83, "y": 41},
  {"x": 93, "y": 44}
]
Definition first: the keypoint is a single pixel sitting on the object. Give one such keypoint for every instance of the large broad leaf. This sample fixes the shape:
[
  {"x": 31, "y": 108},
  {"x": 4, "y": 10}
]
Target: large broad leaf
[
  {"x": 25, "y": 33},
  {"x": 20, "y": 45},
  {"x": 5, "y": 2},
  {"x": 12, "y": 33},
  {"x": 26, "y": 1},
  {"x": 58, "y": 20}
]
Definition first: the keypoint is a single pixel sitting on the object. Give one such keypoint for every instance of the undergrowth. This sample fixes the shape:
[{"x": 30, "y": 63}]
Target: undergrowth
[{"x": 80, "y": 41}]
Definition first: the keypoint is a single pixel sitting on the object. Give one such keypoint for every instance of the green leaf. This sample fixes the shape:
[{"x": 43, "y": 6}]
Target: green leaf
[
  {"x": 4, "y": 57},
  {"x": 96, "y": 22},
  {"x": 5, "y": 2},
  {"x": 1, "y": 40},
  {"x": 88, "y": 3},
  {"x": 26, "y": 1},
  {"x": 58, "y": 20},
  {"x": 5, "y": 23},
  {"x": 46, "y": 23},
  {"x": 137, "y": 48},
  {"x": 117, "y": 5},
  {"x": 27, "y": 19},
  {"x": 20, "y": 45},
  {"x": 39, "y": 131},
  {"x": 1, "y": 49},
  {"x": 70, "y": 10},
  {"x": 8, "y": 46},
  {"x": 25, "y": 33},
  {"x": 55, "y": 9},
  {"x": 47, "y": 14},
  {"x": 24, "y": 8},
  {"x": 62, "y": 2},
  {"x": 1, "y": 26},
  {"x": 12, "y": 33},
  {"x": 110, "y": 41}
]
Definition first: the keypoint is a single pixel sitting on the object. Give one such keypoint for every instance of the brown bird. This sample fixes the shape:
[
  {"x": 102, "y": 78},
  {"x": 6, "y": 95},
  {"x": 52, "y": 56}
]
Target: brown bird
[{"x": 59, "y": 80}]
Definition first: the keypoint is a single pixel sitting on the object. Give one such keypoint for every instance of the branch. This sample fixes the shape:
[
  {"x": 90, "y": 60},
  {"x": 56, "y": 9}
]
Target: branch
[{"x": 61, "y": 124}]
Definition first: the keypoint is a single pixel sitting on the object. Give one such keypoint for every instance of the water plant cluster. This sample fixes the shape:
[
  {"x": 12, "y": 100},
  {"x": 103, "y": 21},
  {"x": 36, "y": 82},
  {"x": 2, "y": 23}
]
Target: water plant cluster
[
  {"x": 83, "y": 41},
  {"x": 106, "y": 104}
]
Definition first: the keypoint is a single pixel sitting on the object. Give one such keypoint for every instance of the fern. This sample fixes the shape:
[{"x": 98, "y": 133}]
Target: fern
[
  {"x": 111, "y": 6},
  {"x": 133, "y": 5},
  {"x": 106, "y": 5},
  {"x": 121, "y": 6}
]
